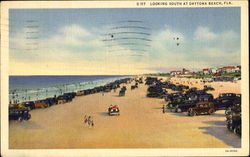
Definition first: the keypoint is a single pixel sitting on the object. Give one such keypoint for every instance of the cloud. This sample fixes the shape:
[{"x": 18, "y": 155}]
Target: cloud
[
  {"x": 203, "y": 33},
  {"x": 204, "y": 49},
  {"x": 71, "y": 50},
  {"x": 74, "y": 30},
  {"x": 76, "y": 50}
]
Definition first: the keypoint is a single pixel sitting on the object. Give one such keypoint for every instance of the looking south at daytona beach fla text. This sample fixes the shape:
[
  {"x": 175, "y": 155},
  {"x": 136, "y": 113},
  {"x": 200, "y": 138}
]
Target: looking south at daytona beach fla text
[{"x": 184, "y": 3}]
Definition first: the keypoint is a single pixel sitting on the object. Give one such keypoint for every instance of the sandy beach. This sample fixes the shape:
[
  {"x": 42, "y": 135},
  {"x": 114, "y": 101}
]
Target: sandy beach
[{"x": 141, "y": 123}]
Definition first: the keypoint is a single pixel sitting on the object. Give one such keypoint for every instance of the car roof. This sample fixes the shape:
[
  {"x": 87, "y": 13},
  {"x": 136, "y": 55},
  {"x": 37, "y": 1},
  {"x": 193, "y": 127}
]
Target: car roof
[{"x": 205, "y": 102}]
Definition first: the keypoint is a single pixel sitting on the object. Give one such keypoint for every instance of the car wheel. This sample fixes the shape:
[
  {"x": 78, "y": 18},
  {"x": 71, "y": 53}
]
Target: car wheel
[
  {"x": 191, "y": 113},
  {"x": 227, "y": 112},
  {"x": 20, "y": 119},
  {"x": 29, "y": 116},
  {"x": 176, "y": 110},
  {"x": 195, "y": 114},
  {"x": 211, "y": 111},
  {"x": 179, "y": 110},
  {"x": 236, "y": 131}
]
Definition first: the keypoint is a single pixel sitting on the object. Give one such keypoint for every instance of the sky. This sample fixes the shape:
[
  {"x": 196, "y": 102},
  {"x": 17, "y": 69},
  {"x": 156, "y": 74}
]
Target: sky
[{"x": 121, "y": 41}]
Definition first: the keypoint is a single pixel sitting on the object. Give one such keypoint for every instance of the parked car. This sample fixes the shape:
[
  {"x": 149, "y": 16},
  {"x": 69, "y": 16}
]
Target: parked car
[
  {"x": 30, "y": 105},
  {"x": 80, "y": 93},
  {"x": 17, "y": 106},
  {"x": 69, "y": 96},
  {"x": 134, "y": 86},
  {"x": 202, "y": 108},
  {"x": 122, "y": 93},
  {"x": 185, "y": 106},
  {"x": 234, "y": 124},
  {"x": 207, "y": 88},
  {"x": 226, "y": 100},
  {"x": 171, "y": 96},
  {"x": 176, "y": 101},
  {"x": 61, "y": 99},
  {"x": 206, "y": 97},
  {"x": 19, "y": 114},
  {"x": 113, "y": 110},
  {"x": 51, "y": 101},
  {"x": 41, "y": 104},
  {"x": 233, "y": 116}
]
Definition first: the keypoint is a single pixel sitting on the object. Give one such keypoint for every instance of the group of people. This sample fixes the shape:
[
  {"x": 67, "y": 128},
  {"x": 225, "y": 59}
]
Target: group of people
[{"x": 88, "y": 120}]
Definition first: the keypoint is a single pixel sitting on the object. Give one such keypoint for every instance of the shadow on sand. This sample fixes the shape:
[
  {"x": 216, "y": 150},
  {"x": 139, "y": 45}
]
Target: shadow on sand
[
  {"x": 222, "y": 133},
  {"x": 219, "y": 123},
  {"x": 103, "y": 113},
  {"x": 181, "y": 114}
]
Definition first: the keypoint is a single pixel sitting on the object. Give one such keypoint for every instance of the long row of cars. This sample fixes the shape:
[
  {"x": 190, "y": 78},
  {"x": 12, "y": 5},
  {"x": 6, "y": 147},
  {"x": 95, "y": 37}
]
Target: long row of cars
[
  {"x": 197, "y": 102},
  {"x": 21, "y": 111}
]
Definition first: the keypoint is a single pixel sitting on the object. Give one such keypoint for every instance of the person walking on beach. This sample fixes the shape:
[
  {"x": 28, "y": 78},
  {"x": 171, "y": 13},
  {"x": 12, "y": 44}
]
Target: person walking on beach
[
  {"x": 85, "y": 119},
  {"x": 90, "y": 122},
  {"x": 163, "y": 109}
]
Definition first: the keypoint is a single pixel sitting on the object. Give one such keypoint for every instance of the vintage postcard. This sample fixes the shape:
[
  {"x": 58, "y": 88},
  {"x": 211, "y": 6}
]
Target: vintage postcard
[{"x": 124, "y": 78}]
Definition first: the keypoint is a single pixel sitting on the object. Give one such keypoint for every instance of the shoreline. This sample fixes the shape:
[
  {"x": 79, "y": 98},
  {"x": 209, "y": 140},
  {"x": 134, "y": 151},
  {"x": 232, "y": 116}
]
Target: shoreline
[{"x": 58, "y": 89}]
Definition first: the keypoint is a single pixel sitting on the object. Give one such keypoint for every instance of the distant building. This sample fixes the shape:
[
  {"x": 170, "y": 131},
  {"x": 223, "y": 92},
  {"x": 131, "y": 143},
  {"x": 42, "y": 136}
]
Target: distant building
[
  {"x": 231, "y": 69},
  {"x": 213, "y": 70},
  {"x": 220, "y": 70},
  {"x": 183, "y": 72},
  {"x": 206, "y": 71},
  {"x": 238, "y": 68},
  {"x": 173, "y": 73}
]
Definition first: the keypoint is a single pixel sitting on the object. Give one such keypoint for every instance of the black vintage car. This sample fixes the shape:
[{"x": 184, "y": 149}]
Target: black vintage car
[
  {"x": 184, "y": 106},
  {"x": 233, "y": 116},
  {"x": 30, "y": 105},
  {"x": 226, "y": 100},
  {"x": 19, "y": 114},
  {"x": 234, "y": 124},
  {"x": 155, "y": 95},
  {"x": 150, "y": 80},
  {"x": 176, "y": 101},
  {"x": 69, "y": 96},
  {"x": 51, "y": 101},
  {"x": 206, "y": 98},
  {"x": 156, "y": 91},
  {"x": 134, "y": 86},
  {"x": 207, "y": 88},
  {"x": 171, "y": 96},
  {"x": 122, "y": 93}
]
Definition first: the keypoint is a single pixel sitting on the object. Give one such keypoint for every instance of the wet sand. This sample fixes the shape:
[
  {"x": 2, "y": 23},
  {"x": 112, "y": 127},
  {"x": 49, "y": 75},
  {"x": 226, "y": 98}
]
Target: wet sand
[{"x": 141, "y": 124}]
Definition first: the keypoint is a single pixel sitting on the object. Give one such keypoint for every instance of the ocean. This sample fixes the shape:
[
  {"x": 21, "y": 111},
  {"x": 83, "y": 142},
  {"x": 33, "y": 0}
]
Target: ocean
[{"x": 31, "y": 88}]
